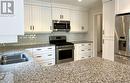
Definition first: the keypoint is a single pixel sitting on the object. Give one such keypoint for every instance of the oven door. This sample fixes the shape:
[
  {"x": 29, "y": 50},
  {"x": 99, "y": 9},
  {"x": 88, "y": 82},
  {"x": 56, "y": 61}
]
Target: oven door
[{"x": 65, "y": 55}]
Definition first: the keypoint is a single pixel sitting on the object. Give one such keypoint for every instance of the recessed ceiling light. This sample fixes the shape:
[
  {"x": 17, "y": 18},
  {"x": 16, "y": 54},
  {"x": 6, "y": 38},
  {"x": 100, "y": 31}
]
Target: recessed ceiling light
[{"x": 79, "y": 0}]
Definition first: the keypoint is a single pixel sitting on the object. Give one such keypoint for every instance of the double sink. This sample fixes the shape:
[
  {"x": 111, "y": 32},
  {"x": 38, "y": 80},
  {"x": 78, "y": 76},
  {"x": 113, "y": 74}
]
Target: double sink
[{"x": 14, "y": 58}]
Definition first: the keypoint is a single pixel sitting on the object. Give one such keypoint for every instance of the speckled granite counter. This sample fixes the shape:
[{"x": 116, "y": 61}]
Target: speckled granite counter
[
  {"x": 76, "y": 42},
  {"x": 93, "y": 70}
]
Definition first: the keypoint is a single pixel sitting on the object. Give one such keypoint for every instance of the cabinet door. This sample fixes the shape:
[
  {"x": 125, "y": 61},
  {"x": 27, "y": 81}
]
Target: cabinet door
[
  {"x": 46, "y": 20},
  {"x": 108, "y": 18},
  {"x": 27, "y": 18},
  {"x": 122, "y": 6},
  {"x": 84, "y": 22},
  {"x": 79, "y": 21},
  {"x": 56, "y": 13},
  {"x": 75, "y": 21},
  {"x": 37, "y": 19},
  {"x": 60, "y": 14},
  {"x": 36, "y": 16},
  {"x": 66, "y": 14},
  {"x": 108, "y": 49}
]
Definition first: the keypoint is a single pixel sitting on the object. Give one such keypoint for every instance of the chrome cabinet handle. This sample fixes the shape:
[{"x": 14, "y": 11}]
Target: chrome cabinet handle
[
  {"x": 30, "y": 27},
  {"x": 89, "y": 56},
  {"x": 62, "y": 16},
  {"x": 82, "y": 27},
  {"x": 50, "y": 55},
  {"x": 39, "y": 56},
  {"x": 38, "y": 49},
  {"x": 49, "y": 48},
  {"x": 50, "y": 27},
  {"x": 89, "y": 44},
  {"x": 33, "y": 28},
  {"x": 82, "y": 44},
  {"x": 49, "y": 63}
]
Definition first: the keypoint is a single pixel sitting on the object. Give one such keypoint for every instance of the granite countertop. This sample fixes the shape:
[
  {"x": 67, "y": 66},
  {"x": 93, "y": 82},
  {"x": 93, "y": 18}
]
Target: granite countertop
[
  {"x": 93, "y": 70},
  {"x": 76, "y": 42}
]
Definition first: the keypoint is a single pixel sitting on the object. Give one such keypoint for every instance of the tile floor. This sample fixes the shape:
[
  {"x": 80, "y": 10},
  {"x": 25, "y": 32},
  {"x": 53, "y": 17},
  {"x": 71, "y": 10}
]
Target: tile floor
[{"x": 119, "y": 58}]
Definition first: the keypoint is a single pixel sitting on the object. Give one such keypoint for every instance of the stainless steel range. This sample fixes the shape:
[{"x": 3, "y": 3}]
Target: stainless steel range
[{"x": 64, "y": 50}]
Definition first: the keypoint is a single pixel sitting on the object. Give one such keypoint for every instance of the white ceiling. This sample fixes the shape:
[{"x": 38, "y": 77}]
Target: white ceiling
[{"x": 84, "y": 3}]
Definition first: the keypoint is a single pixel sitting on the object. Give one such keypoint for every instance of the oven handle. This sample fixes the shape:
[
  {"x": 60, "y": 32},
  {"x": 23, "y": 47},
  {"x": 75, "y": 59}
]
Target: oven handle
[{"x": 65, "y": 49}]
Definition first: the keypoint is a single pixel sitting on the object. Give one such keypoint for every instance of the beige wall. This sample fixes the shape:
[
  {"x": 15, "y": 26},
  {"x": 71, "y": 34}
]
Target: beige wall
[
  {"x": 90, "y": 23},
  {"x": 91, "y": 32}
]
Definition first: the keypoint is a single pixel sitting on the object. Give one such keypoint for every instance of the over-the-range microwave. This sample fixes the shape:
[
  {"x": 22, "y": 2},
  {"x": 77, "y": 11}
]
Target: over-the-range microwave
[{"x": 61, "y": 26}]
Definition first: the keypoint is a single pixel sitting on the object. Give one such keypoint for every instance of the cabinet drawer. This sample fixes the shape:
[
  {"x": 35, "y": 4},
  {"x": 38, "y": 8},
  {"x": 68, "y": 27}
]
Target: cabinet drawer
[
  {"x": 44, "y": 50},
  {"x": 88, "y": 54},
  {"x": 84, "y": 46},
  {"x": 47, "y": 63},
  {"x": 51, "y": 48},
  {"x": 84, "y": 57},
  {"x": 85, "y": 50},
  {"x": 44, "y": 56},
  {"x": 38, "y": 51}
]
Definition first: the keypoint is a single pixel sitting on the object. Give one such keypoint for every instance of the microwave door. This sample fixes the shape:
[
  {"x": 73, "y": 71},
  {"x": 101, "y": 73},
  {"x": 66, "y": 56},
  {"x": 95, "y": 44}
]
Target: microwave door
[{"x": 59, "y": 26}]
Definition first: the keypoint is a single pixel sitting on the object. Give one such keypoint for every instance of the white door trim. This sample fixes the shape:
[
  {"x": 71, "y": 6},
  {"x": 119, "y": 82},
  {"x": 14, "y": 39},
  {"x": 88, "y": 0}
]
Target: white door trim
[{"x": 94, "y": 35}]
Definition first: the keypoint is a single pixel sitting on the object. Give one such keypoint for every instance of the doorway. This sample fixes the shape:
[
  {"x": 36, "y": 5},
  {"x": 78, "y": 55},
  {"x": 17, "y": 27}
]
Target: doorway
[{"x": 98, "y": 35}]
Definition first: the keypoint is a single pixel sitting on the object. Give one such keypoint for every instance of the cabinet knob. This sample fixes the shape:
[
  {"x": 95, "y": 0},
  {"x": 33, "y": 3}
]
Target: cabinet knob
[{"x": 82, "y": 27}]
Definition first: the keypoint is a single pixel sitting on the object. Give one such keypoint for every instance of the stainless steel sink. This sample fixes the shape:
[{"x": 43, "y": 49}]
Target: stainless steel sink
[{"x": 14, "y": 58}]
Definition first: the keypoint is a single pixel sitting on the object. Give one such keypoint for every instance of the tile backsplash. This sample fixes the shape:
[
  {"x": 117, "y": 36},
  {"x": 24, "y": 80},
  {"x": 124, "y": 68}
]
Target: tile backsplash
[
  {"x": 44, "y": 38},
  {"x": 29, "y": 39}
]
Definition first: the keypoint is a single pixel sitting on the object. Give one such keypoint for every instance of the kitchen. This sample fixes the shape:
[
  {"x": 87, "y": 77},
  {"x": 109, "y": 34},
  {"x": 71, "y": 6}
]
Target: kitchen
[{"x": 56, "y": 42}]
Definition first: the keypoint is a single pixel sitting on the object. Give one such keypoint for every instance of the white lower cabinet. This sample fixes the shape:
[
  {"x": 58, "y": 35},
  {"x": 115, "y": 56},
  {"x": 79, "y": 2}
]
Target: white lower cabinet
[
  {"x": 83, "y": 51},
  {"x": 43, "y": 55}
]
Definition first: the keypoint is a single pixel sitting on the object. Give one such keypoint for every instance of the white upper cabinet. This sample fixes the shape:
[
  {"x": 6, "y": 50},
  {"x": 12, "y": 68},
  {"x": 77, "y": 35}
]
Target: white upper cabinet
[
  {"x": 122, "y": 6},
  {"x": 60, "y": 14},
  {"x": 37, "y": 19},
  {"x": 108, "y": 19},
  {"x": 79, "y": 21},
  {"x": 12, "y": 18},
  {"x": 27, "y": 18}
]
